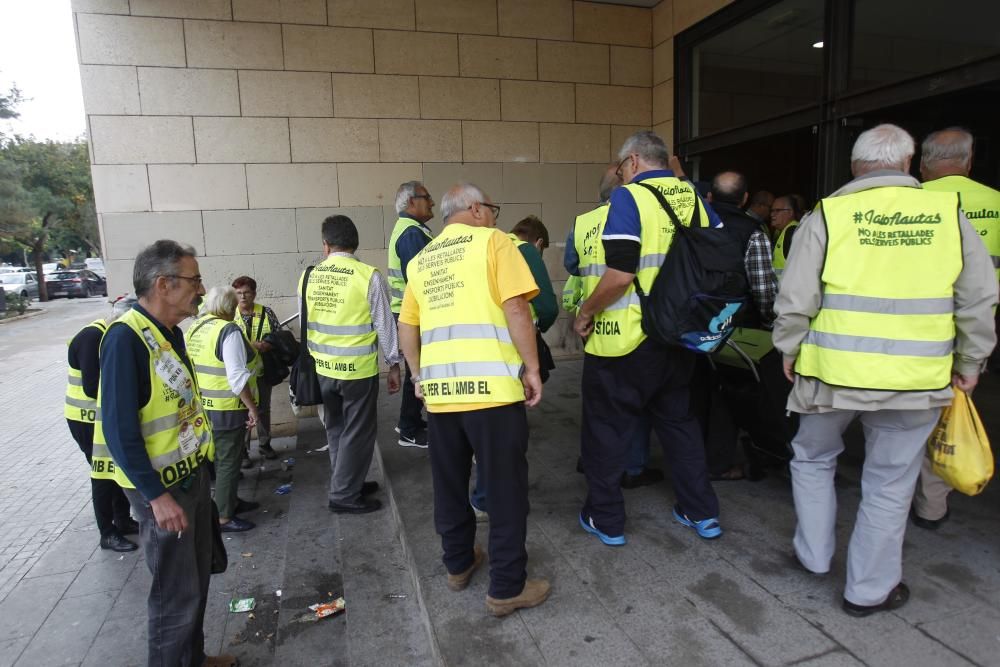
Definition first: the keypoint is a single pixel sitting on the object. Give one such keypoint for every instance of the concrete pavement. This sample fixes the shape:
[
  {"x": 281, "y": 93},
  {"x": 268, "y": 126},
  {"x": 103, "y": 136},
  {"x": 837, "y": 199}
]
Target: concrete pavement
[{"x": 668, "y": 598}]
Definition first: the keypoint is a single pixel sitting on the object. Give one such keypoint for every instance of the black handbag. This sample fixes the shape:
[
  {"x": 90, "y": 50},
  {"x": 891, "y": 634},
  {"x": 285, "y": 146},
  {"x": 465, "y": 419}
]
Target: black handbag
[
  {"x": 303, "y": 381},
  {"x": 545, "y": 361}
]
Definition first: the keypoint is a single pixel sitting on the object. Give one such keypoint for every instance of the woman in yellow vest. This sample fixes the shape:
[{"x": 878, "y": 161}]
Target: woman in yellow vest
[
  {"x": 227, "y": 368},
  {"x": 256, "y": 321}
]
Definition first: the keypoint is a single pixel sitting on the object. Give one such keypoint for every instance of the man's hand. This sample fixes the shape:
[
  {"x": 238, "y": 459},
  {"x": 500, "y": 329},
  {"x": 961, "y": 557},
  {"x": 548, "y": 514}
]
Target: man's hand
[
  {"x": 675, "y": 166},
  {"x": 261, "y": 346},
  {"x": 532, "y": 382},
  {"x": 417, "y": 391},
  {"x": 252, "y": 417},
  {"x": 583, "y": 325},
  {"x": 169, "y": 514},
  {"x": 965, "y": 382},
  {"x": 788, "y": 365},
  {"x": 392, "y": 380}
]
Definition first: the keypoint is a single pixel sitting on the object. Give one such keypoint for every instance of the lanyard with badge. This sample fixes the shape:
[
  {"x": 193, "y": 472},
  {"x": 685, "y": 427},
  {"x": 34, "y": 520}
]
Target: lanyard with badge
[{"x": 174, "y": 374}]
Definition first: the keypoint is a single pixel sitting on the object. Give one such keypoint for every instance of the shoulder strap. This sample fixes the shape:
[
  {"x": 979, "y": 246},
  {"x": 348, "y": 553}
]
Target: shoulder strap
[
  {"x": 199, "y": 325},
  {"x": 303, "y": 314},
  {"x": 260, "y": 325}
]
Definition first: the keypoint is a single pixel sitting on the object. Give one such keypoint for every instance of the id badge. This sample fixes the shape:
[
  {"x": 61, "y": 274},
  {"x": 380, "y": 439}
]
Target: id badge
[
  {"x": 173, "y": 373},
  {"x": 187, "y": 438}
]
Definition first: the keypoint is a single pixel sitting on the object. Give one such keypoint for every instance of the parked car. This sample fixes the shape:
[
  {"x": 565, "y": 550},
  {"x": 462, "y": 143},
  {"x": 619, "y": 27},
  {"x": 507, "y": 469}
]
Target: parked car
[
  {"x": 82, "y": 283},
  {"x": 50, "y": 267},
  {"x": 20, "y": 283}
]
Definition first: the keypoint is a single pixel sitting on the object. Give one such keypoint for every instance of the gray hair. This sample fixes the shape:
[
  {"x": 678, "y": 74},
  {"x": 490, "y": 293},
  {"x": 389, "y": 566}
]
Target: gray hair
[
  {"x": 160, "y": 259},
  {"x": 221, "y": 301},
  {"x": 884, "y": 146},
  {"x": 403, "y": 194},
  {"x": 459, "y": 198},
  {"x": 952, "y": 144},
  {"x": 649, "y": 146},
  {"x": 609, "y": 181}
]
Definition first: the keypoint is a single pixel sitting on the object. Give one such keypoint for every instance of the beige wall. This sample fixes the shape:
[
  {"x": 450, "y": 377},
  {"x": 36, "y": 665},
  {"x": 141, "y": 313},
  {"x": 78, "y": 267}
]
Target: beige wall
[{"x": 238, "y": 125}]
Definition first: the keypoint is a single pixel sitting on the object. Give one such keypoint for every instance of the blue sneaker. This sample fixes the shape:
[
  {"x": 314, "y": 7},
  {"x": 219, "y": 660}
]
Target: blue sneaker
[
  {"x": 707, "y": 528},
  {"x": 589, "y": 526}
]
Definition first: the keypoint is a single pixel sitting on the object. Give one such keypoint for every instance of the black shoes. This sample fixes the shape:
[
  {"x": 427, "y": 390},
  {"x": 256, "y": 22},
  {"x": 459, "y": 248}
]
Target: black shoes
[
  {"x": 928, "y": 524},
  {"x": 237, "y": 525},
  {"x": 369, "y": 488},
  {"x": 646, "y": 477},
  {"x": 363, "y": 506},
  {"x": 267, "y": 452},
  {"x": 898, "y": 596},
  {"x": 245, "y": 506},
  {"x": 116, "y": 542},
  {"x": 127, "y": 527}
]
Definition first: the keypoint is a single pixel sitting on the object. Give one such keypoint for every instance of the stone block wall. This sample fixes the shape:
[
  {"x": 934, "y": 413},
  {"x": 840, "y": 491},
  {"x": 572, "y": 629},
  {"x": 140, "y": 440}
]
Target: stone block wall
[{"x": 238, "y": 125}]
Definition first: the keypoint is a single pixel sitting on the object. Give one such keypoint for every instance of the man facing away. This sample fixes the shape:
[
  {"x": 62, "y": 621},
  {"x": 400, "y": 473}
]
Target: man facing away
[
  {"x": 624, "y": 373},
  {"x": 473, "y": 343},
  {"x": 945, "y": 163},
  {"x": 347, "y": 320},
  {"x": 153, "y": 425},
  {"x": 415, "y": 208},
  {"x": 868, "y": 333}
]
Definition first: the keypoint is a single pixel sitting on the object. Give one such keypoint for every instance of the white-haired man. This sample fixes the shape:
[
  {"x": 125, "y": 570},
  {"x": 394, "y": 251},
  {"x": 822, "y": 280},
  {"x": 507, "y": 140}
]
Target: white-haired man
[
  {"x": 466, "y": 327},
  {"x": 415, "y": 208},
  {"x": 867, "y": 332},
  {"x": 945, "y": 164}
]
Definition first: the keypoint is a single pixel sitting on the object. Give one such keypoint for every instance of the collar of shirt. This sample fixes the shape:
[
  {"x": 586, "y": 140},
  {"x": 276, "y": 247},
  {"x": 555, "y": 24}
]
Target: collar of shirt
[
  {"x": 341, "y": 254},
  {"x": 175, "y": 336},
  {"x": 653, "y": 173},
  {"x": 410, "y": 217}
]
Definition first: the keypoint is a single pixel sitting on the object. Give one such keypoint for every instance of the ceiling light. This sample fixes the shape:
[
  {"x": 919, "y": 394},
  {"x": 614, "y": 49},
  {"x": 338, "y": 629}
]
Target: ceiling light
[{"x": 818, "y": 45}]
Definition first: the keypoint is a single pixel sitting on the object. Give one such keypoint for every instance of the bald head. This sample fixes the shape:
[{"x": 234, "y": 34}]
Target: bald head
[
  {"x": 946, "y": 152},
  {"x": 729, "y": 187},
  {"x": 609, "y": 181}
]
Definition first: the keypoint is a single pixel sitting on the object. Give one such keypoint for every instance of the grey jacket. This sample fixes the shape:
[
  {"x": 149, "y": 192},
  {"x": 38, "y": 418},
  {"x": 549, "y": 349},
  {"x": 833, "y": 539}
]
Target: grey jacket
[{"x": 801, "y": 293}]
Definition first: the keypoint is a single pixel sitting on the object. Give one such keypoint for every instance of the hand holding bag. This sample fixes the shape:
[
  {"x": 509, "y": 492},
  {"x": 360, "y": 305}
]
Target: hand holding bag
[
  {"x": 303, "y": 383},
  {"x": 959, "y": 449}
]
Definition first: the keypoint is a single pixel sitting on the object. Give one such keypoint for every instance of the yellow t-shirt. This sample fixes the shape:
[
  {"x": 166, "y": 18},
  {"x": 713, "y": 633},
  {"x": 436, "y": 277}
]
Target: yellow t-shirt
[{"x": 507, "y": 275}]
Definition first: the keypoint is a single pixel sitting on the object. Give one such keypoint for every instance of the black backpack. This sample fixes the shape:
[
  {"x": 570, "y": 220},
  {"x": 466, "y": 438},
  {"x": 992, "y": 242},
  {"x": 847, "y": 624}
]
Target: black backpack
[{"x": 701, "y": 292}]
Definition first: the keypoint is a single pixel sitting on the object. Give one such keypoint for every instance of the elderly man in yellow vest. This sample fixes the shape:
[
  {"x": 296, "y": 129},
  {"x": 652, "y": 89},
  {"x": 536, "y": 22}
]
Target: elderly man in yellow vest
[
  {"x": 153, "y": 425},
  {"x": 347, "y": 320},
  {"x": 466, "y": 325},
  {"x": 868, "y": 333},
  {"x": 945, "y": 164}
]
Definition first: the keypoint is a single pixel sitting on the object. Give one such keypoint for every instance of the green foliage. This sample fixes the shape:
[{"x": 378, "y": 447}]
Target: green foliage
[
  {"x": 16, "y": 304},
  {"x": 9, "y": 102}
]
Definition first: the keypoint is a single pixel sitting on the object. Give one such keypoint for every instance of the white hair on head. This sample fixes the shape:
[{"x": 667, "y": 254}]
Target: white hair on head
[
  {"x": 221, "y": 301},
  {"x": 460, "y": 197},
  {"x": 952, "y": 144},
  {"x": 403, "y": 194},
  {"x": 887, "y": 146},
  {"x": 649, "y": 146}
]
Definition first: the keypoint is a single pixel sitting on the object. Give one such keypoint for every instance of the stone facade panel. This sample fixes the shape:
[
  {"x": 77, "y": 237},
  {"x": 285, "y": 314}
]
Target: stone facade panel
[
  {"x": 288, "y": 94},
  {"x": 109, "y": 89},
  {"x": 125, "y": 234},
  {"x": 401, "y": 52},
  {"x": 231, "y": 45},
  {"x": 252, "y": 232},
  {"x": 130, "y": 40},
  {"x": 570, "y": 61},
  {"x": 292, "y": 185},
  {"x": 197, "y": 92},
  {"x": 389, "y": 14},
  {"x": 371, "y": 96},
  {"x": 196, "y": 187},
  {"x": 573, "y": 142},
  {"x": 612, "y": 24},
  {"x": 537, "y": 100},
  {"x": 493, "y": 141},
  {"x": 334, "y": 139},
  {"x": 544, "y": 19},
  {"x": 420, "y": 140},
  {"x": 323, "y": 49},
  {"x": 120, "y": 187},
  {"x": 612, "y": 104},
  {"x": 497, "y": 57},
  {"x": 141, "y": 139},
  {"x": 477, "y": 17},
  {"x": 280, "y": 11},
  {"x": 631, "y": 66},
  {"x": 459, "y": 98},
  {"x": 374, "y": 184},
  {"x": 220, "y": 10},
  {"x": 230, "y": 140}
]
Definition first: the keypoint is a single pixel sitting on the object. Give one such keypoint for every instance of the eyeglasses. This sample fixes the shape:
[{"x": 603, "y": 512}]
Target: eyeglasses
[
  {"x": 427, "y": 197},
  {"x": 194, "y": 279},
  {"x": 493, "y": 207},
  {"x": 618, "y": 171}
]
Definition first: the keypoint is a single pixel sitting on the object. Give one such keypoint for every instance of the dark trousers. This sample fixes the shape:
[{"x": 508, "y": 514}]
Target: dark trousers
[
  {"x": 616, "y": 392},
  {"x": 181, "y": 567},
  {"x": 410, "y": 407},
  {"x": 351, "y": 420},
  {"x": 110, "y": 504},
  {"x": 499, "y": 438}
]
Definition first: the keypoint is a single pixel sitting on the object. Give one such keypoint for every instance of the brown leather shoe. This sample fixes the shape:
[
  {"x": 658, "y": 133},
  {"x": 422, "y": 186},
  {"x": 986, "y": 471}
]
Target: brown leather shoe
[
  {"x": 535, "y": 592},
  {"x": 220, "y": 661},
  {"x": 459, "y": 582}
]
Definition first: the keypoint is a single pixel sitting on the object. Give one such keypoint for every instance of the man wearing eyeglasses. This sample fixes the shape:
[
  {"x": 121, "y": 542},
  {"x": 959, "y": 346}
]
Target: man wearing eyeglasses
[
  {"x": 415, "y": 208},
  {"x": 785, "y": 215},
  {"x": 152, "y": 423},
  {"x": 466, "y": 326}
]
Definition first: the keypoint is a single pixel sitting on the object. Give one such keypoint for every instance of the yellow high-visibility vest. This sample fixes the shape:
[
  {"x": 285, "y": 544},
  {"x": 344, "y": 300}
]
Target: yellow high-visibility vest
[
  {"x": 587, "y": 230},
  {"x": 572, "y": 294},
  {"x": 618, "y": 328},
  {"x": 204, "y": 350},
  {"x": 981, "y": 205},
  {"x": 162, "y": 419},
  {"x": 397, "y": 285},
  {"x": 259, "y": 327},
  {"x": 466, "y": 351},
  {"x": 78, "y": 406},
  {"x": 518, "y": 242},
  {"x": 886, "y": 322},
  {"x": 778, "y": 256},
  {"x": 339, "y": 332}
]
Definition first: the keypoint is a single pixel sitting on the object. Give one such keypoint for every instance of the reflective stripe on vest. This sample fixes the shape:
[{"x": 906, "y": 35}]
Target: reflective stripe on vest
[
  {"x": 618, "y": 328},
  {"x": 260, "y": 326},
  {"x": 397, "y": 284},
  {"x": 886, "y": 322},
  {"x": 339, "y": 332},
  {"x": 159, "y": 420},
  {"x": 778, "y": 259},
  {"x": 78, "y": 406},
  {"x": 204, "y": 346},
  {"x": 466, "y": 354},
  {"x": 981, "y": 205},
  {"x": 587, "y": 231},
  {"x": 572, "y": 294}
]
